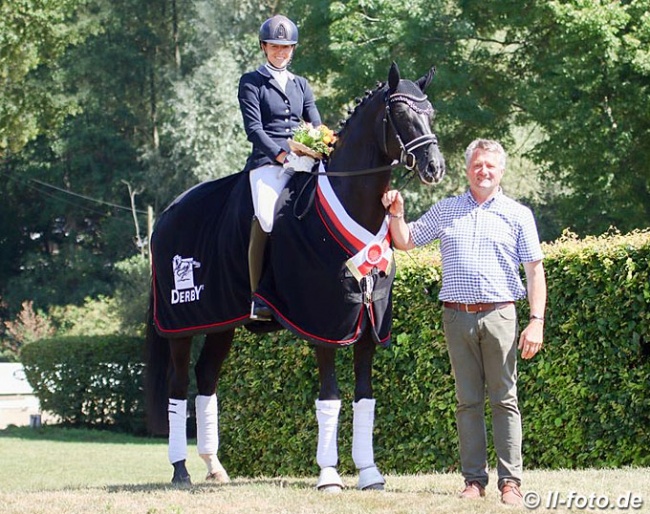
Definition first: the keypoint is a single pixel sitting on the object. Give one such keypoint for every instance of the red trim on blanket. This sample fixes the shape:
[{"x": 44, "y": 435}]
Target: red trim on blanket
[{"x": 295, "y": 328}]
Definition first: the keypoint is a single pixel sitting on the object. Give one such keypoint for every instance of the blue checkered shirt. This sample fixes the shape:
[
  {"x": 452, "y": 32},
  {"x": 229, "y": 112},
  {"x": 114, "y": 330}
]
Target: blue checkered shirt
[{"x": 482, "y": 246}]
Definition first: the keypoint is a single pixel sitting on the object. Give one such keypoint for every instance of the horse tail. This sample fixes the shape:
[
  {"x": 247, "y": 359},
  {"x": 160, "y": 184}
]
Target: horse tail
[{"x": 156, "y": 377}]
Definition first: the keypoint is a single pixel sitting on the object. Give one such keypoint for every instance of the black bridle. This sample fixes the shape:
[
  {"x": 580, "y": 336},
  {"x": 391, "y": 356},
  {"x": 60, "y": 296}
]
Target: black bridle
[{"x": 407, "y": 157}]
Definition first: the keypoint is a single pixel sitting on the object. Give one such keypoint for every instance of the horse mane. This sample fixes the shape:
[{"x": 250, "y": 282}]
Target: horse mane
[{"x": 359, "y": 103}]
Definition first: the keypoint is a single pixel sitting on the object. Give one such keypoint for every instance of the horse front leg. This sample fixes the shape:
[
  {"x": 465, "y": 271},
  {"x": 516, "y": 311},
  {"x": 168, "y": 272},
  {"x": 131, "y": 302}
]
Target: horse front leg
[
  {"x": 208, "y": 370},
  {"x": 364, "y": 417},
  {"x": 179, "y": 381},
  {"x": 328, "y": 406}
]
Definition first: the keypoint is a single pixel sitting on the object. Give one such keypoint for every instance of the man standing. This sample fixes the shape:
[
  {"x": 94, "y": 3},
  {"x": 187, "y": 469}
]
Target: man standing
[{"x": 484, "y": 238}]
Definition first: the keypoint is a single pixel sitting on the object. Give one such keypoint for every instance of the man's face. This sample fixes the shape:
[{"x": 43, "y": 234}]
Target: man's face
[{"x": 484, "y": 172}]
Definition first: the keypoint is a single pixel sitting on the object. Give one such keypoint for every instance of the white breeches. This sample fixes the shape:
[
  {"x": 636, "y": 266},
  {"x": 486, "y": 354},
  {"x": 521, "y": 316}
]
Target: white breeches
[{"x": 267, "y": 182}]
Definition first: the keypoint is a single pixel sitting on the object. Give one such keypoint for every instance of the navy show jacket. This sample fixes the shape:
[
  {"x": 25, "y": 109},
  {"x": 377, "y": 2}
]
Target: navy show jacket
[{"x": 271, "y": 115}]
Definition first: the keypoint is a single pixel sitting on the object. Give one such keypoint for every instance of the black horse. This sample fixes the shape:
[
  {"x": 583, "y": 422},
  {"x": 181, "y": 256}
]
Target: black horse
[{"x": 328, "y": 277}]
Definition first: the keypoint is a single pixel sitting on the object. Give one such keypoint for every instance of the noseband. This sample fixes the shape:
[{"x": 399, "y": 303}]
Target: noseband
[{"x": 407, "y": 157}]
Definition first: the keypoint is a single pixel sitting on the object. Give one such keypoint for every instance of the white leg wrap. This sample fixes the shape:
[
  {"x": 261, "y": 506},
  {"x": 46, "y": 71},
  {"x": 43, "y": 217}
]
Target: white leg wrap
[
  {"x": 177, "y": 415},
  {"x": 362, "y": 427},
  {"x": 207, "y": 437},
  {"x": 327, "y": 414},
  {"x": 207, "y": 424}
]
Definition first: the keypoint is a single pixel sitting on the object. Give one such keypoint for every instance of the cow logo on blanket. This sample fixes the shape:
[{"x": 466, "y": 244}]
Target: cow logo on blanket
[{"x": 184, "y": 288}]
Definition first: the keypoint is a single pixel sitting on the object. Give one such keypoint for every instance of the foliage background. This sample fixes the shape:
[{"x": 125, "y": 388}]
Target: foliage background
[
  {"x": 109, "y": 107},
  {"x": 584, "y": 398}
]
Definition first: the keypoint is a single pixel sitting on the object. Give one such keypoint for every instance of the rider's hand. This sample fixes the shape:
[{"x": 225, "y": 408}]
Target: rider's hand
[{"x": 299, "y": 162}]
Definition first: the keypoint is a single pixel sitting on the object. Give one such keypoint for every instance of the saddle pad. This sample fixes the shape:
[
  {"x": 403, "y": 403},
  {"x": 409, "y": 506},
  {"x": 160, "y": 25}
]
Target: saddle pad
[{"x": 200, "y": 269}]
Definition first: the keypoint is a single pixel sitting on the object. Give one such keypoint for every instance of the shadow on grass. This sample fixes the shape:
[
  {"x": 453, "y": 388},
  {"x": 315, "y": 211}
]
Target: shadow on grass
[
  {"x": 280, "y": 483},
  {"x": 66, "y": 433}
]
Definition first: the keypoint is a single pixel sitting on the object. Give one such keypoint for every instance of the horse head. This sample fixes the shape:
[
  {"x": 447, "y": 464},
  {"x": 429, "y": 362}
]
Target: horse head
[{"x": 409, "y": 116}]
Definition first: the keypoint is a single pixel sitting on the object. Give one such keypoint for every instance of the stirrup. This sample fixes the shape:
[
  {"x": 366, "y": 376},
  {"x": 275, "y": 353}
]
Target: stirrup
[{"x": 260, "y": 312}]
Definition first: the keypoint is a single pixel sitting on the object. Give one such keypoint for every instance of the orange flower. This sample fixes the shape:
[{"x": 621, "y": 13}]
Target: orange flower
[{"x": 319, "y": 139}]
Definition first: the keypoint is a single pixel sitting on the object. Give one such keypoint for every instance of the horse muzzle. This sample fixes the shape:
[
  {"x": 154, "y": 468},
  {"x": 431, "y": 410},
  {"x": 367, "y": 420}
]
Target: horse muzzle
[{"x": 432, "y": 168}]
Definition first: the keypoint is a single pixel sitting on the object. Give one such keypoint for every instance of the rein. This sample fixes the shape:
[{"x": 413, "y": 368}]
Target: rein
[
  {"x": 367, "y": 171},
  {"x": 407, "y": 157}
]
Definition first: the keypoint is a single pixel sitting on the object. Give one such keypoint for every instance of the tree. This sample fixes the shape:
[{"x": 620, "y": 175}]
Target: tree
[
  {"x": 68, "y": 184},
  {"x": 348, "y": 47},
  {"x": 583, "y": 78},
  {"x": 202, "y": 135},
  {"x": 33, "y": 34}
]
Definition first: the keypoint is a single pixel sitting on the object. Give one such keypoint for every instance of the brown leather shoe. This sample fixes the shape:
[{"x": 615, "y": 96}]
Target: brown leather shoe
[
  {"x": 511, "y": 494},
  {"x": 472, "y": 491}
]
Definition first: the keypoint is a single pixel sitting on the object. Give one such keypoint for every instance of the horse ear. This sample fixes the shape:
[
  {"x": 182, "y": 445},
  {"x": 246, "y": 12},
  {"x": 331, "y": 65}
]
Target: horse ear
[
  {"x": 426, "y": 79},
  {"x": 393, "y": 76}
]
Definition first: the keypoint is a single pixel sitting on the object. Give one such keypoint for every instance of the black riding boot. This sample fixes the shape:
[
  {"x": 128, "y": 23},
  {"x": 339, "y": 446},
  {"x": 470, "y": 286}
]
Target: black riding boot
[{"x": 256, "y": 249}]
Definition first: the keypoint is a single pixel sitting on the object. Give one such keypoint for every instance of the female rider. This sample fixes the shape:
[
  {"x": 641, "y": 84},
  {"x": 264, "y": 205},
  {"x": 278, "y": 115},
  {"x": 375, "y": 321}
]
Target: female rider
[{"x": 273, "y": 101}]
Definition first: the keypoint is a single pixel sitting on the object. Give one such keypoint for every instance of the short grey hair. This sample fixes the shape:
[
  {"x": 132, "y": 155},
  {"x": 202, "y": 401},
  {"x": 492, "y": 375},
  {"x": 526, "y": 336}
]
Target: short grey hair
[{"x": 489, "y": 145}]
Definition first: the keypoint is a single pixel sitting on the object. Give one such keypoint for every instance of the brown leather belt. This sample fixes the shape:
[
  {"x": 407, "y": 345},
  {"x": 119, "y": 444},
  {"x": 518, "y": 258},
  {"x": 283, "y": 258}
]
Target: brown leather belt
[{"x": 476, "y": 307}]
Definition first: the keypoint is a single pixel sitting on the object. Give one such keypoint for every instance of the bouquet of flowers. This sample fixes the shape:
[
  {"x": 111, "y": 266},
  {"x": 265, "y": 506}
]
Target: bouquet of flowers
[{"x": 316, "y": 142}]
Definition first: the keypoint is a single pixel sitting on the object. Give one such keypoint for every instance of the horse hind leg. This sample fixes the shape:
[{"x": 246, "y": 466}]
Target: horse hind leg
[
  {"x": 207, "y": 437},
  {"x": 180, "y": 350},
  {"x": 177, "y": 446},
  {"x": 208, "y": 368}
]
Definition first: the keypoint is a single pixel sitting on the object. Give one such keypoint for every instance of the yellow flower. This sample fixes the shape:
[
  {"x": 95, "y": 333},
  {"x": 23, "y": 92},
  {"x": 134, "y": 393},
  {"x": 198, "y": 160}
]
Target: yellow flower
[{"x": 319, "y": 139}]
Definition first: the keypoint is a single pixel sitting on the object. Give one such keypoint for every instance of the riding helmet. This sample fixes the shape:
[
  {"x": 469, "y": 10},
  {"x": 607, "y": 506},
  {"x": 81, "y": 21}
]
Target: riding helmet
[{"x": 279, "y": 30}]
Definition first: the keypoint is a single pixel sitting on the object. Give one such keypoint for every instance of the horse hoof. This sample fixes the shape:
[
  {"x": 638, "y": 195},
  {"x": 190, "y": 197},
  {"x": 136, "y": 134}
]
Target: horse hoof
[
  {"x": 181, "y": 481},
  {"x": 330, "y": 489},
  {"x": 370, "y": 479},
  {"x": 329, "y": 481},
  {"x": 181, "y": 477},
  {"x": 218, "y": 477}
]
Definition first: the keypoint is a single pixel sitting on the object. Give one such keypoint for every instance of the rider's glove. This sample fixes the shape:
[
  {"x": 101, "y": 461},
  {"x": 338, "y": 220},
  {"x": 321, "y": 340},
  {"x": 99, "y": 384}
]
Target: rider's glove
[{"x": 299, "y": 162}]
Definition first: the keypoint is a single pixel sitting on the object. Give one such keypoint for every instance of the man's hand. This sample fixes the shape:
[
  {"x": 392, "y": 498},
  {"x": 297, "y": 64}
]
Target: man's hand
[
  {"x": 393, "y": 203},
  {"x": 530, "y": 341}
]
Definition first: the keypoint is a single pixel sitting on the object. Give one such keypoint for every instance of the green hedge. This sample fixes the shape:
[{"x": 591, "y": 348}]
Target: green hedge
[
  {"x": 584, "y": 399},
  {"x": 89, "y": 381}
]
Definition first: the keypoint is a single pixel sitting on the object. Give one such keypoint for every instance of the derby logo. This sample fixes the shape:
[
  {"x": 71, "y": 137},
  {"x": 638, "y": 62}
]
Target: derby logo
[{"x": 185, "y": 290}]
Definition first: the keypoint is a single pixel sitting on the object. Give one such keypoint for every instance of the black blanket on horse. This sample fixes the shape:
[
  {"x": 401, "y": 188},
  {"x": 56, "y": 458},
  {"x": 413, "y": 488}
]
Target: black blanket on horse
[{"x": 200, "y": 268}]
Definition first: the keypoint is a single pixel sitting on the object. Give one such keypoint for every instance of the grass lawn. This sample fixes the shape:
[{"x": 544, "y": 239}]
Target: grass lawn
[{"x": 54, "y": 470}]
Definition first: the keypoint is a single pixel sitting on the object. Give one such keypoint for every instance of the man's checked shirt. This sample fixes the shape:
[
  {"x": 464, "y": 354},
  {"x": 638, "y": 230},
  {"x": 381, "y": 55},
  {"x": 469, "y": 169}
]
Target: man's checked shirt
[{"x": 482, "y": 246}]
